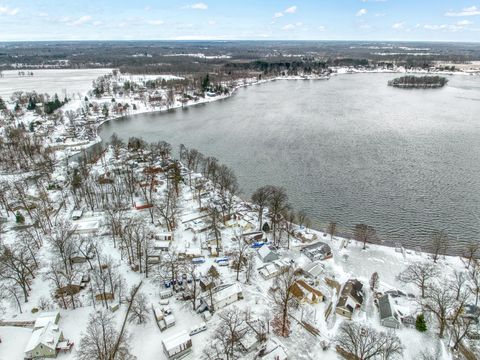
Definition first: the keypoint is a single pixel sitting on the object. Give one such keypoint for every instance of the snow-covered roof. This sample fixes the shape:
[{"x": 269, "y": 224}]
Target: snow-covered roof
[
  {"x": 176, "y": 340},
  {"x": 47, "y": 336},
  {"x": 226, "y": 292},
  {"x": 45, "y": 318},
  {"x": 273, "y": 350}
]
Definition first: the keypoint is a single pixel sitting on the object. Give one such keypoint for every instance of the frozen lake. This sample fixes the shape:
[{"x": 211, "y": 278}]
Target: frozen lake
[
  {"x": 350, "y": 149},
  {"x": 50, "y": 81}
]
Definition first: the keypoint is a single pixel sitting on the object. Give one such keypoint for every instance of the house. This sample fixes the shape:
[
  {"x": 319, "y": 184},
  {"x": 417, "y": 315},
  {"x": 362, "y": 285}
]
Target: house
[
  {"x": 46, "y": 317},
  {"x": 272, "y": 350},
  {"x": 471, "y": 312},
  {"x": 253, "y": 333},
  {"x": 388, "y": 315},
  {"x": 351, "y": 298},
  {"x": 177, "y": 346},
  {"x": 313, "y": 270},
  {"x": 43, "y": 342},
  {"x": 161, "y": 245},
  {"x": 86, "y": 227},
  {"x": 267, "y": 255},
  {"x": 273, "y": 269},
  {"x": 223, "y": 295},
  {"x": 304, "y": 293},
  {"x": 317, "y": 251},
  {"x": 166, "y": 236}
]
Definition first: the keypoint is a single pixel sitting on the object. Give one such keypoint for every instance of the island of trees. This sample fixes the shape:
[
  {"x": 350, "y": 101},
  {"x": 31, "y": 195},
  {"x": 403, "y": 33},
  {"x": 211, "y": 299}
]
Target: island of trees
[{"x": 422, "y": 82}]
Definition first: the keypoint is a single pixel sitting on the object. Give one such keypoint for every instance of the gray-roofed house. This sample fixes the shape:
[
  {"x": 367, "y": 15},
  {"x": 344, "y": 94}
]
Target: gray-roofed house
[
  {"x": 317, "y": 251},
  {"x": 351, "y": 298},
  {"x": 267, "y": 255},
  {"x": 388, "y": 315}
]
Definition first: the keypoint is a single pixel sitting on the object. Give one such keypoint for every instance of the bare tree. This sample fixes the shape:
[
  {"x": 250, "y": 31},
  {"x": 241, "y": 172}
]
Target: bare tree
[
  {"x": 214, "y": 221},
  {"x": 227, "y": 335},
  {"x": 459, "y": 330},
  {"x": 100, "y": 340},
  {"x": 365, "y": 343},
  {"x": 365, "y": 233},
  {"x": 439, "y": 244},
  {"x": 239, "y": 254},
  {"x": 289, "y": 218},
  {"x": 278, "y": 204},
  {"x": 419, "y": 274},
  {"x": 332, "y": 229},
  {"x": 458, "y": 283},
  {"x": 261, "y": 198},
  {"x": 374, "y": 281},
  {"x": 283, "y": 299},
  {"x": 139, "y": 310},
  {"x": 474, "y": 279},
  {"x": 440, "y": 301},
  {"x": 470, "y": 253}
]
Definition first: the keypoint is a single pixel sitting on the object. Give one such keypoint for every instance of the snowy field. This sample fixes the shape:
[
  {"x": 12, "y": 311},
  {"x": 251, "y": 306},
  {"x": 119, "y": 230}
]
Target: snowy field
[{"x": 64, "y": 81}]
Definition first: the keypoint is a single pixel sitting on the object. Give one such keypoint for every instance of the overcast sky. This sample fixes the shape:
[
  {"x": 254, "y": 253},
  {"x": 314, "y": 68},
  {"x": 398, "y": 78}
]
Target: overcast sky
[{"x": 438, "y": 20}]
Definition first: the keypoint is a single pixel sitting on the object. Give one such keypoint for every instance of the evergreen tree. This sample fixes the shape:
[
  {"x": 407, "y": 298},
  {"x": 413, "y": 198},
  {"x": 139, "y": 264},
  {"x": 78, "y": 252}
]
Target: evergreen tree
[
  {"x": 2, "y": 104},
  {"x": 420, "y": 323},
  {"x": 105, "y": 110},
  {"x": 19, "y": 218},
  {"x": 206, "y": 83},
  {"x": 31, "y": 127},
  {"x": 31, "y": 104},
  {"x": 17, "y": 107}
]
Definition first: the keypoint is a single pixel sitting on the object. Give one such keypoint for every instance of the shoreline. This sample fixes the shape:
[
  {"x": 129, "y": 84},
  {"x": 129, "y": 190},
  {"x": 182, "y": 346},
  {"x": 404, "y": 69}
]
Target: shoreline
[{"x": 249, "y": 82}]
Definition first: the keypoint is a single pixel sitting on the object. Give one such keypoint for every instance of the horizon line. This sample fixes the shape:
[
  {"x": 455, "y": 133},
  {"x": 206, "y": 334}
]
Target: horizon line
[{"x": 238, "y": 40}]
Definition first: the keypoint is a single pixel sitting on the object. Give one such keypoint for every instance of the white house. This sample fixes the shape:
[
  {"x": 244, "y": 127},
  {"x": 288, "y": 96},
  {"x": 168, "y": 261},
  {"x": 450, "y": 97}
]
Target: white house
[
  {"x": 176, "y": 346},
  {"x": 273, "y": 269},
  {"x": 224, "y": 295},
  {"x": 43, "y": 342}
]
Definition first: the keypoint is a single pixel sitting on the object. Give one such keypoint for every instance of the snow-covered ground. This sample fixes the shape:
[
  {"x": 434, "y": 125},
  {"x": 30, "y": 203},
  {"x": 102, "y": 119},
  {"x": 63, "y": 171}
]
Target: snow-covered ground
[
  {"x": 349, "y": 261},
  {"x": 50, "y": 81}
]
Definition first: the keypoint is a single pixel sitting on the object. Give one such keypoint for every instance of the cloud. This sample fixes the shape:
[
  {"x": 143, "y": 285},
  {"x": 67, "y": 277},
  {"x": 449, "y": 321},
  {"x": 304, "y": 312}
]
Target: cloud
[
  {"x": 212, "y": 22},
  {"x": 291, "y": 10},
  {"x": 155, "y": 22},
  {"x": 321, "y": 28},
  {"x": 464, "y": 23},
  {"x": 468, "y": 11},
  {"x": 398, "y": 26},
  {"x": 43, "y": 14},
  {"x": 292, "y": 26},
  {"x": 5, "y": 10},
  {"x": 361, "y": 12},
  {"x": 80, "y": 21},
  {"x": 197, "y": 6},
  {"x": 97, "y": 23},
  {"x": 444, "y": 27}
]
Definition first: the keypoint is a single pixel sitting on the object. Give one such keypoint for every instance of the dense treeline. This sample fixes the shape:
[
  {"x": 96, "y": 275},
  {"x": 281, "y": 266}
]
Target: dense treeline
[{"x": 411, "y": 81}]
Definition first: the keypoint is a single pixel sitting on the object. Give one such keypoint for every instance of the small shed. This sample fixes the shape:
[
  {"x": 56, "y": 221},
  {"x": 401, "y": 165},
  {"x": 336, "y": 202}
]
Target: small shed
[{"x": 177, "y": 346}]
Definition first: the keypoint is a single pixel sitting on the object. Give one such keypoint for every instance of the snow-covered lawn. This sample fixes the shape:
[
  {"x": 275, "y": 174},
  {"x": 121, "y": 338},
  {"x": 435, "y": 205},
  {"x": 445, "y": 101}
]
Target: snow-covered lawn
[{"x": 50, "y": 81}]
